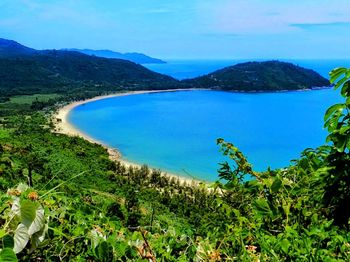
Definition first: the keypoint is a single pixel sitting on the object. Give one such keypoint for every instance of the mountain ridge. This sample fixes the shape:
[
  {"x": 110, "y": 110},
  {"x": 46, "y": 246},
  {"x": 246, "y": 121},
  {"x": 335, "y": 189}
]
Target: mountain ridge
[
  {"x": 24, "y": 70},
  {"x": 135, "y": 57}
]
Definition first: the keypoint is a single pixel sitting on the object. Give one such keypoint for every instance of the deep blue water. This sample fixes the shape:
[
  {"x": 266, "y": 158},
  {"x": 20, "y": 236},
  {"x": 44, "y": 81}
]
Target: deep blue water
[
  {"x": 182, "y": 69},
  {"x": 177, "y": 131}
]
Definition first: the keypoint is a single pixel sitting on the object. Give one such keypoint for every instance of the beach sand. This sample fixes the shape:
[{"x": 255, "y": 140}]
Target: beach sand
[{"x": 63, "y": 126}]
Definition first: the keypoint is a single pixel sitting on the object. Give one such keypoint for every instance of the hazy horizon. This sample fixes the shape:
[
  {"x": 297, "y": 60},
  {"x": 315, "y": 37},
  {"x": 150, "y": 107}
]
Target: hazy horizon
[{"x": 223, "y": 29}]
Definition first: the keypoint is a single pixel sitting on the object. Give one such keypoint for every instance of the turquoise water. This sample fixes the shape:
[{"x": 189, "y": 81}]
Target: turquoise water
[{"x": 177, "y": 131}]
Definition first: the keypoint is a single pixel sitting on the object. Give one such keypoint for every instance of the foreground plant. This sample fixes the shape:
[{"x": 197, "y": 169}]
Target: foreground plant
[{"x": 25, "y": 222}]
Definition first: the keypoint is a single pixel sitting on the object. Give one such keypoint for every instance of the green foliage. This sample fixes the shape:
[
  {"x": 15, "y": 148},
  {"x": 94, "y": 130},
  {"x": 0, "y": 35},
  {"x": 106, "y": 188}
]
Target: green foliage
[
  {"x": 260, "y": 76},
  {"x": 67, "y": 201},
  {"x": 65, "y": 72}
]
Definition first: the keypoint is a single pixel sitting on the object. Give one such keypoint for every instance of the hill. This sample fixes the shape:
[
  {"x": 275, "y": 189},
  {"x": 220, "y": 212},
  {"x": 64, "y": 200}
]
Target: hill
[
  {"x": 133, "y": 57},
  {"x": 65, "y": 71},
  {"x": 12, "y": 48},
  {"x": 261, "y": 76}
]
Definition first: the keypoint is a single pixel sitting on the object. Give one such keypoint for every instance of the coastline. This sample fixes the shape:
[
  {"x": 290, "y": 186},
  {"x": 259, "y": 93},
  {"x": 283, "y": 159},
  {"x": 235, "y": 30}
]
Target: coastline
[{"x": 63, "y": 126}]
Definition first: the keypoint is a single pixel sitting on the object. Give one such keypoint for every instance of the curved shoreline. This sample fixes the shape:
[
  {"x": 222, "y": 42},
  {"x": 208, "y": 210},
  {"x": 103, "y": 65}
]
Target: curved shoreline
[{"x": 63, "y": 126}]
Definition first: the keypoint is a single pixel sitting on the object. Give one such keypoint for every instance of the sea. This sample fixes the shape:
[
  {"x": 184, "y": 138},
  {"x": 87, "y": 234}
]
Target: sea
[{"x": 177, "y": 131}]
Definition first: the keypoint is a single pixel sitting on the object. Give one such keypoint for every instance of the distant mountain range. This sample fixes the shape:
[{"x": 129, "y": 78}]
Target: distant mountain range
[
  {"x": 24, "y": 70},
  {"x": 133, "y": 57},
  {"x": 12, "y": 48}
]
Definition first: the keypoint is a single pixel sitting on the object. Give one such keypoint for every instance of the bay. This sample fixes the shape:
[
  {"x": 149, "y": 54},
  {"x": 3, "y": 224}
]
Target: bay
[{"x": 177, "y": 131}]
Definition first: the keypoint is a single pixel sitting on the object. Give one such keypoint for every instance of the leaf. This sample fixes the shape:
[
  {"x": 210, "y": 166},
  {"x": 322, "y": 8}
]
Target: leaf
[
  {"x": 7, "y": 255},
  {"x": 276, "y": 185},
  {"x": 2, "y": 233},
  {"x": 8, "y": 241},
  {"x": 336, "y": 73},
  {"x": 16, "y": 207},
  {"x": 38, "y": 237},
  {"x": 95, "y": 239},
  {"x": 332, "y": 109},
  {"x": 22, "y": 187},
  {"x": 344, "y": 129},
  {"x": 345, "y": 89},
  {"x": 38, "y": 222},
  {"x": 21, "y": 238},
  {"x": 285, "y": 244},
  {"x": 104, "y": 251},
  {"x": 28, "y": 212},
  {"x": 340, "y": 83},
  {"x": 263, "y": 207}
]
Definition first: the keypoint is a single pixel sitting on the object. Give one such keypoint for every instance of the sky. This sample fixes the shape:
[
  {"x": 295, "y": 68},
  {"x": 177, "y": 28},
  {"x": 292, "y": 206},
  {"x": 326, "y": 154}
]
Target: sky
[{"x": 184, "y": 29}]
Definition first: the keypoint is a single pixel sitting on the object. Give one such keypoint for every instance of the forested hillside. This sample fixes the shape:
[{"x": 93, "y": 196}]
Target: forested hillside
[
  {"x": 64, "y": 71},
  {"x": 62, "y": 199},
  {"x": 261, "y": 76}
]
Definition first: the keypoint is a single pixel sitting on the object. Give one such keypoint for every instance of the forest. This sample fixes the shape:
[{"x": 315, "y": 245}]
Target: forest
[{"x": 63, "y": 199}]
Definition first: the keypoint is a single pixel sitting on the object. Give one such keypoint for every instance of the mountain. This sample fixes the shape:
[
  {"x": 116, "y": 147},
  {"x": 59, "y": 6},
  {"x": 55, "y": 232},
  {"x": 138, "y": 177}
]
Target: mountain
[
  {"x": 12, "y": 48},
  {"x": 260, "y": 76},
  {"x": 24, "y": 70},
  {"x": 53, "y": 71},
  {"x": 134, "y": 57}
]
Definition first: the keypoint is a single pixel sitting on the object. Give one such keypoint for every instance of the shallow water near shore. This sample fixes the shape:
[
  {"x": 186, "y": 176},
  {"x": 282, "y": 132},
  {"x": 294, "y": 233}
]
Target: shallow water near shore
[{"x": 177, "y": 131}]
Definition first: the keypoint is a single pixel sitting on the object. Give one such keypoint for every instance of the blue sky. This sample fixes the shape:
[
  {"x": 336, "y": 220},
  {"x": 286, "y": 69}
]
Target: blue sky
[{"x": 184, "y": 28}]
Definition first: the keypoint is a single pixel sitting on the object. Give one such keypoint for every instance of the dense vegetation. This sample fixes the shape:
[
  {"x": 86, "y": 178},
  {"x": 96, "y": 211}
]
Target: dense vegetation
[
  {"x": 63, "y": 199},
  {"x": 64, "y": 71},
  {"x": 261, "y": 76}
]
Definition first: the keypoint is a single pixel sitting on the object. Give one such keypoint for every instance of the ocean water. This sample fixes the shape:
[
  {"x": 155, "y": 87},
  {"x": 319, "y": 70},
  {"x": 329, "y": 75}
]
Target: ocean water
[{"x": 177, "y": 131}]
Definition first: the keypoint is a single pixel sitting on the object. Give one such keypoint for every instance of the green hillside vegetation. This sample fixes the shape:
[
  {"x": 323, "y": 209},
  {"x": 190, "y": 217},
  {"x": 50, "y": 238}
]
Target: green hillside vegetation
[
  {"x": 10, "y": 48},
  {"x": 62, "y": 199},
  {"x": 261, "y": 76},
  {"x": 25, "y": 104},
  {"x": 73, "y": 72}
]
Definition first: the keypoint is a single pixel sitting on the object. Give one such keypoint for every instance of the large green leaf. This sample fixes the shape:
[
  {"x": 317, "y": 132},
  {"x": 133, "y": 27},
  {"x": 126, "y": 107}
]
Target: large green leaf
[
  {"x": 39, "y": 221},
  {"x": 21, "y": 238},
  {"x": 28, "y": 212},
  {"x": 285, "y": 244},
  {"x": 38, "y": 237},
  {"x": 336, "y": 73},
  {"x": 7, "y": 255},
  {"x": 332, "y": 109},
  {"x": 276, "y": 185}
]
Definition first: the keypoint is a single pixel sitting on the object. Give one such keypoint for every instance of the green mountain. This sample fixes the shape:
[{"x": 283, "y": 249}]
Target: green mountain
[
  {"x": 12, "y": 48},
  {"x": 260, "y": 76},
  {"x": 133, "y": 57},
  {"x": 62, "y": 71}
]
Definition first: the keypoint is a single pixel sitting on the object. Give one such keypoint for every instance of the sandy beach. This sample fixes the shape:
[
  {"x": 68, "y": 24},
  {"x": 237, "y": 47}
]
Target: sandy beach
[{"x": 63, "y": 126}]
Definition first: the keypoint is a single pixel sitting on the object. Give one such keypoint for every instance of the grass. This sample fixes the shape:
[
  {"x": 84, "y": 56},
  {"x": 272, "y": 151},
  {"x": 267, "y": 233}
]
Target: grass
[
  {"x": 4, "y": 133},
  {"x": 28, "y": 99}
]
